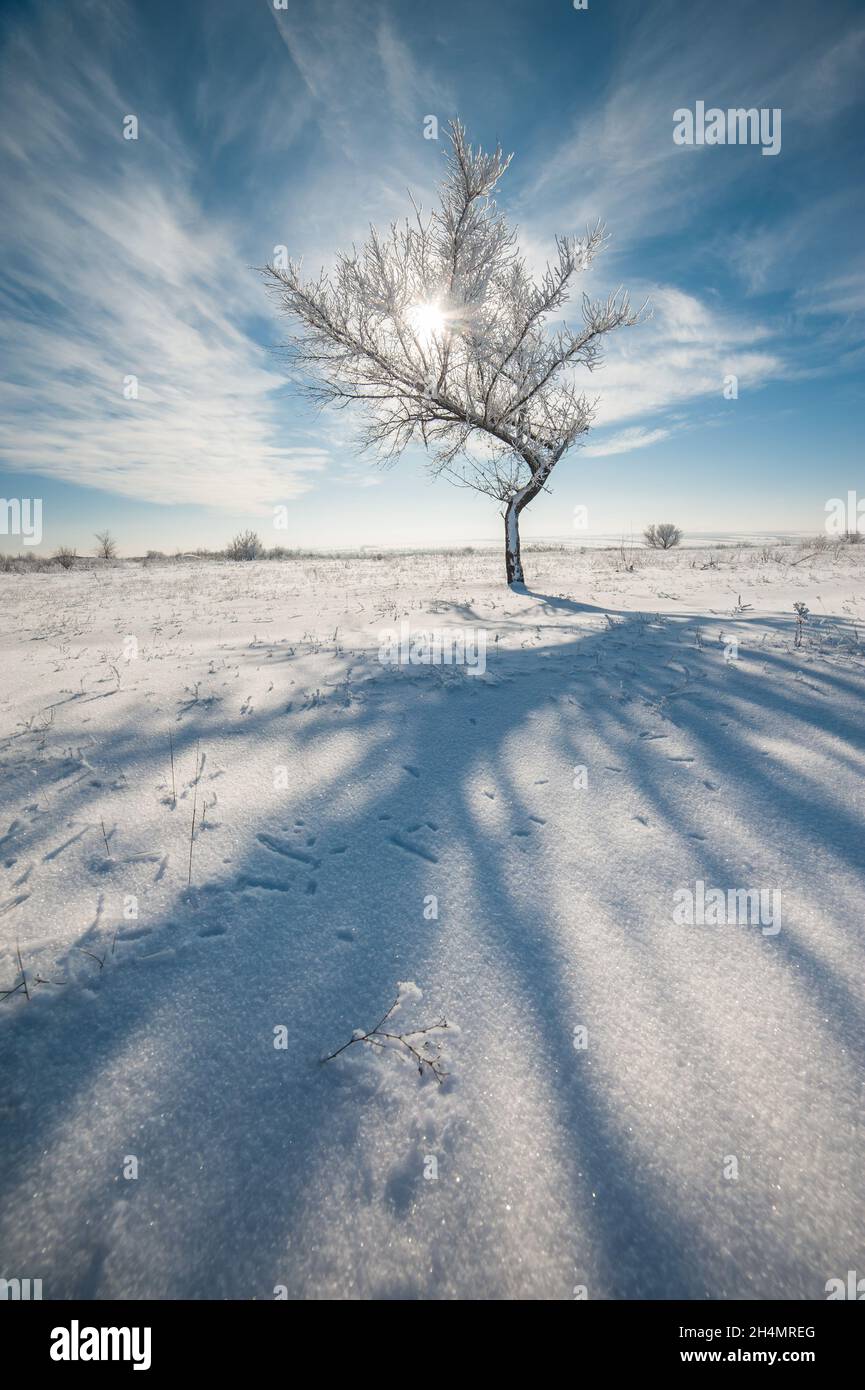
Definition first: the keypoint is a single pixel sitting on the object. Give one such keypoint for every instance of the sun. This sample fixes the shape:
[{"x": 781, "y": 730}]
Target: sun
[{"x": 427, "y": 320}]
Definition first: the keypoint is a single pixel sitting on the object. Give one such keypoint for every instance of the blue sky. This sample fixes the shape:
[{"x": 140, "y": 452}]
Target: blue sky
[{"x": 261, "y": 127}]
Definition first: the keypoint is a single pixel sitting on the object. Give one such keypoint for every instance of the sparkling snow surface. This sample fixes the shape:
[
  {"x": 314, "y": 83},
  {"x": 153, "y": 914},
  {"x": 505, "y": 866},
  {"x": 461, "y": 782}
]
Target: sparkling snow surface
[{"x": 334, "y": 795}]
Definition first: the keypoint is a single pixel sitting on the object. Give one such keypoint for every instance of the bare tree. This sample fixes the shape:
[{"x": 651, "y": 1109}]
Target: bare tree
[
  {"x": 662, "y": 536},
  {"x": 106, "y": 546},
  {"x": 438, "y": 329}
]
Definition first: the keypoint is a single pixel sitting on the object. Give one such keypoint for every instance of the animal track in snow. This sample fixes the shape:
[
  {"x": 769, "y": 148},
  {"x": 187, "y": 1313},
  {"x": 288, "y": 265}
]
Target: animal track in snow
[
  {"x": 10, "y": 833},
  {"x": 419, "y": 850},
  {"x": 269, "y": 885},
  {"x": 13, "y": 902},
  {"x": 289, "y": 851}
]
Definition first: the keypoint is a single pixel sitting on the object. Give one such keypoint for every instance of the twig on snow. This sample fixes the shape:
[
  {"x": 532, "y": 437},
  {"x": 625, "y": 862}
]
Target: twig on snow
[{"x": 379, "y": 1037}]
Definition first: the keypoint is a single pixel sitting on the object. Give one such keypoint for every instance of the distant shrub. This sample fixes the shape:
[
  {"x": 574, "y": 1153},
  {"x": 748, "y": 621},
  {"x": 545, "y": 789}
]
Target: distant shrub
[
  {"x": 246, "y": 545},
  {"x": 66, "y": 556},
  {"x": 106, "y": 546},
  {"x": 662, "y": 536},
  {"x": 26, "y": 563}
]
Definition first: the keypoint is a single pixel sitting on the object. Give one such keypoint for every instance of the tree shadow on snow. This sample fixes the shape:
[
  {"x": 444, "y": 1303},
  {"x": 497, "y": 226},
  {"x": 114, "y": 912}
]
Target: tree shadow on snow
[{"x": 262, "y": 1167}]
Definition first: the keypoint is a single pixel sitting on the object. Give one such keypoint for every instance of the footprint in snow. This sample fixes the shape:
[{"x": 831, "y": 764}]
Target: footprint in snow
[
  {"x": 288, "y": 851},
  {"x": 536, "y": 820},
  {"x": 8, "y": 905},
  {"x": 134, "y": 934},
  {"x": 267, "y": 885},
  {"x": 402, "y": 843}
]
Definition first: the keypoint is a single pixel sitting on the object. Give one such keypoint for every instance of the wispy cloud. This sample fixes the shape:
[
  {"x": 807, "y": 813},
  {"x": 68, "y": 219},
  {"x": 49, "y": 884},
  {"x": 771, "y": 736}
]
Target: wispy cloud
[
  {"x": 302, "y": 126},
  {"x": 685, "y": 352},
  {"x": 114, "y": 271},
  {"x": 626, "y": 442}
]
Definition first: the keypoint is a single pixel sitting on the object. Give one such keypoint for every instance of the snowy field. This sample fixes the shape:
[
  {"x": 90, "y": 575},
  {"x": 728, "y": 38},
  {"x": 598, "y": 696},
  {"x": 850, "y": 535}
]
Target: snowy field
[{"x": 634, "y": 1105}]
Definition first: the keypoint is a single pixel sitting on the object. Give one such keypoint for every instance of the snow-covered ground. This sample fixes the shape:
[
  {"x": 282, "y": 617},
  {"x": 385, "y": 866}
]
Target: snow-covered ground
[{"x": 701, "y": 1138}]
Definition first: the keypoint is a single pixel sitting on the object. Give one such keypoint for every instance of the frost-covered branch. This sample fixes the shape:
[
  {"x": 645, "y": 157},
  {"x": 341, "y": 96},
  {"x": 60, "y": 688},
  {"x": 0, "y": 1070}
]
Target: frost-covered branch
[{"x": 438, "y": 330}]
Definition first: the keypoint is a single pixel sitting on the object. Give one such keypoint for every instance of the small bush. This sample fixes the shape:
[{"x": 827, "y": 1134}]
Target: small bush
[
  {"x": 662, "y": 535},
  {"x": 246, "y": 545},
  {"x": 66, "y": 556}
]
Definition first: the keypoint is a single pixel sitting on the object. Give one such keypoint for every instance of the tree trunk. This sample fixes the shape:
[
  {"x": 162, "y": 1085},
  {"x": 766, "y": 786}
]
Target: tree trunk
[
  {"x": 513, "y": 563},
  {"x": 540, "y": 472}
]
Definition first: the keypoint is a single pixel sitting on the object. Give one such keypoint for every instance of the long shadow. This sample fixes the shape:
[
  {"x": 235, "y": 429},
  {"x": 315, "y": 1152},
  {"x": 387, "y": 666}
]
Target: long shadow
[{"x": 229, "y": 1201}]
